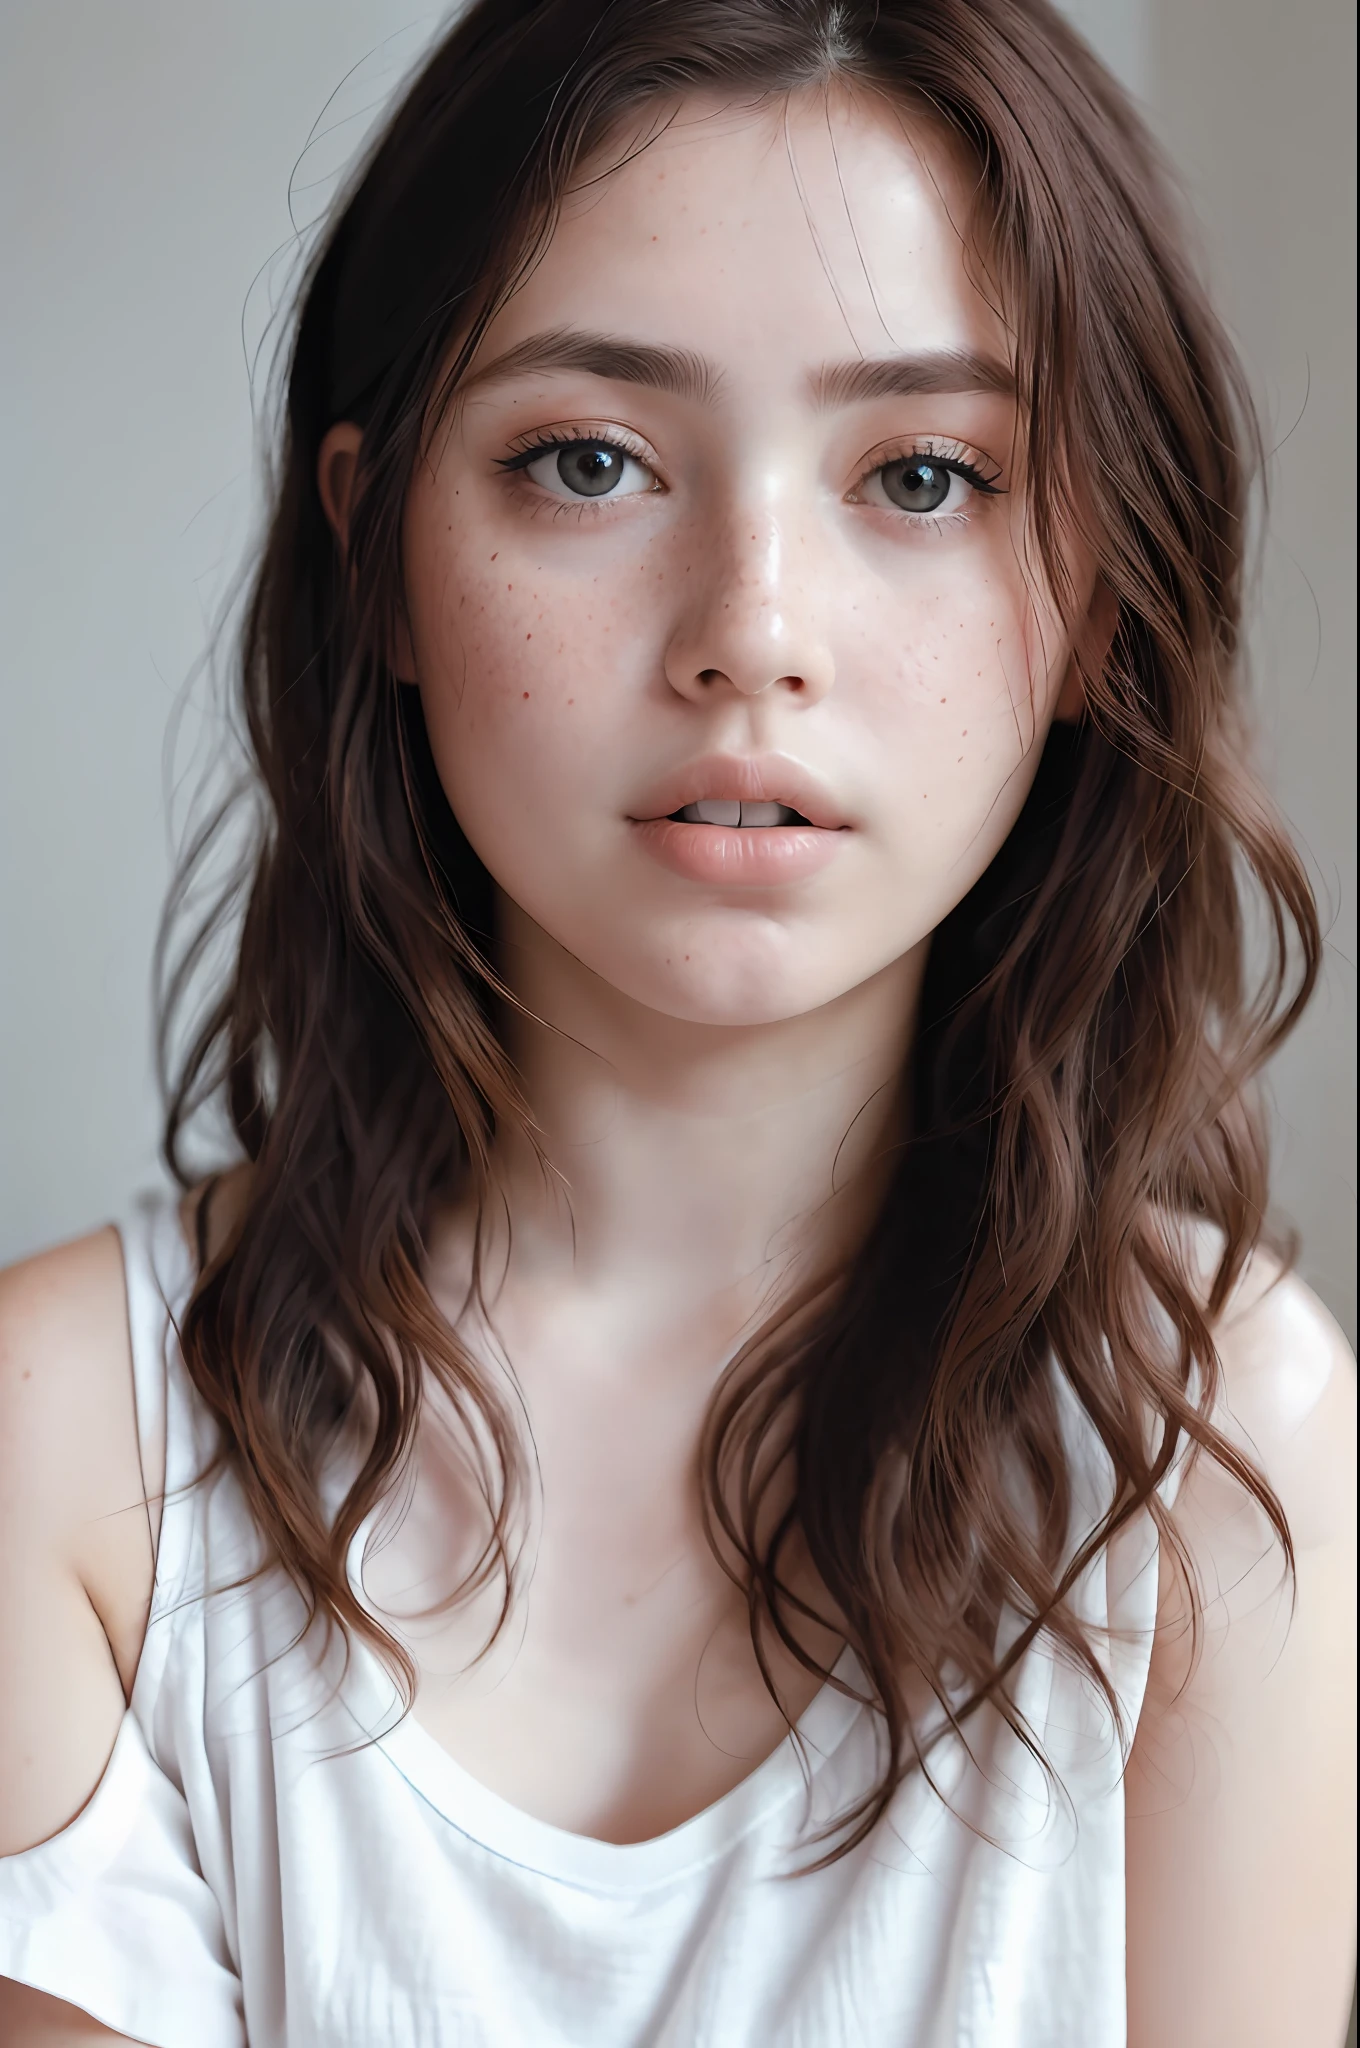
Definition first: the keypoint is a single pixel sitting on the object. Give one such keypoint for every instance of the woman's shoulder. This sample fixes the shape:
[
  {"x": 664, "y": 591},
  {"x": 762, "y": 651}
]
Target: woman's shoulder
[
  {"x": 1286, "y": 1382},
  {"x": 1287, "y": 1395},
  {"x": 76, "y": 1559},
  {"x": 69, "y": 1454},
  {"x": 1237, "y": 1789},
  {"x": 1233, "y": 1621}
]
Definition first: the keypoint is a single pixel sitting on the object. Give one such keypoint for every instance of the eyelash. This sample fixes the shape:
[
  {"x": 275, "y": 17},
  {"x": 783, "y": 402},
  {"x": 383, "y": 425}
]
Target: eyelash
[
  {"x": 551, "y": 438},
  {"x": 947, "y": 455}
]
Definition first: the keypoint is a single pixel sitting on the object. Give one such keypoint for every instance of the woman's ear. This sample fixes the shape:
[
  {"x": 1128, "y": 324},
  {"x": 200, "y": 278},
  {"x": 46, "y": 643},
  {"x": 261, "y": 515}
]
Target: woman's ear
[
  {"x": 337, "y": 468},
  {"x": 1097, "y": 638}
]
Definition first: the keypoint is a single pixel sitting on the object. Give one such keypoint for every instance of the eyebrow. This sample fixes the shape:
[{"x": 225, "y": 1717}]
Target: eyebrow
[
  {"x": 933, "y": 373},
  {"x": 685, "y": 374},
  {"x": 677, "y": 370}
]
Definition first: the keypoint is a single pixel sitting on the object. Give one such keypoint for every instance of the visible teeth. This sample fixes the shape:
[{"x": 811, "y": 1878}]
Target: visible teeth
[
  {"x": 712, "y": 812},
  {"x": 719, "y": 811}
]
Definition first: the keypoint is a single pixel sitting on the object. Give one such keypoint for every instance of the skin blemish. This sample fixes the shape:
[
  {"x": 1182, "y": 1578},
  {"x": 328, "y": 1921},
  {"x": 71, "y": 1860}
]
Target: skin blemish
[{"x": 526, "y": 696}]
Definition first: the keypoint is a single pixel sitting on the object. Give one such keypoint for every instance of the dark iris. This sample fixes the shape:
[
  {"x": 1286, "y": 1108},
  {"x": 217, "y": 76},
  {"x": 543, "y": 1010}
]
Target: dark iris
[
  {"x": 591, "y": 468},
  {"x": 915, "y": 484}
]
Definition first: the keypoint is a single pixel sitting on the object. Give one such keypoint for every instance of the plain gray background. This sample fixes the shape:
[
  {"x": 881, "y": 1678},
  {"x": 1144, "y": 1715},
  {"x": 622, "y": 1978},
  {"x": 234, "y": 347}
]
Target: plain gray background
[{"x": 147, "y": 151}]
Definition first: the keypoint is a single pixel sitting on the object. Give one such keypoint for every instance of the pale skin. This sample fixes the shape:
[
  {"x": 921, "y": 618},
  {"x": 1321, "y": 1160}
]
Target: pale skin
[{"x": 710, "y": 1060}]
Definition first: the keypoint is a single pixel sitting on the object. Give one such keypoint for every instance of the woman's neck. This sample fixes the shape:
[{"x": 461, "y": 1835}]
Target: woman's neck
[{"x": 689, "y": 1162}]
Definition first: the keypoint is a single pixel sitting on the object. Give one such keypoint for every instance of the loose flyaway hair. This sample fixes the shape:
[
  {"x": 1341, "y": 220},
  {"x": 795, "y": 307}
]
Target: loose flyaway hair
[{"x": 1094, "y": 1011}]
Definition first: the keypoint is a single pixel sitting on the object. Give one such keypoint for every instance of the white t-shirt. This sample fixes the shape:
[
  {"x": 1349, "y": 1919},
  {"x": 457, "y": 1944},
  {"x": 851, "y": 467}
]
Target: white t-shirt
[{"x": 254, "y": 1866}]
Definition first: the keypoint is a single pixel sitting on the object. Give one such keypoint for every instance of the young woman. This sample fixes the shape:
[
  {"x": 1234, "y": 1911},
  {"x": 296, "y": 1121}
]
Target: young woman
[{"x": 730, "y": 1465}]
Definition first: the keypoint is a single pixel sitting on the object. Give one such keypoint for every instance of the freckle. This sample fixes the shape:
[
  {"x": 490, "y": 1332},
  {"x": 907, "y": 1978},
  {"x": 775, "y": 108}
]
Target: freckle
[
  {"x": 944, "y": 700},
  {"x": 570, "y": 702},
  {"x": 528, "y": 636},
  {"x": 509, "y": 586},
  {"x": 526, "y": 696},
  {"x": 494, "y": 556}
]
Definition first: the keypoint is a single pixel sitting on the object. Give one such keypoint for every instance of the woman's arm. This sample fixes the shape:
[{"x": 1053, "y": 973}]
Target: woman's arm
[
  {"x": 29, "y": 2019},
  {"x": 1241, "y": 1789},
  {"x": 76, "y": 1563}
]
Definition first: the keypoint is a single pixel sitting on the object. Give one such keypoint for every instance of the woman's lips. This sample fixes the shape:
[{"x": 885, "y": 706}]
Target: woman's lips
[
  {"x": 744, "y": 845},
  {"x": 741, "y": 857}
]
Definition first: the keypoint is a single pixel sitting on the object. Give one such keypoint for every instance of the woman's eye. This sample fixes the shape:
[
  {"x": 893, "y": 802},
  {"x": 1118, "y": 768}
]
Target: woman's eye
[
  {"x": 588, "y": 469},
  {"x": 916, "y": 483}
]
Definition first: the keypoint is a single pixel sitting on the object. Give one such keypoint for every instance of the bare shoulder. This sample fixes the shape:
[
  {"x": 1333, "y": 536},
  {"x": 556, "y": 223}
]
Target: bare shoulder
[
  {"x": 1286, "y": 1394},
  {"x": 1239, "y": 1796},
  {"x": 1288, "y": 1397},
  {"x": 76, "y": 1555},
  {"x": 69, "y": 1439}
]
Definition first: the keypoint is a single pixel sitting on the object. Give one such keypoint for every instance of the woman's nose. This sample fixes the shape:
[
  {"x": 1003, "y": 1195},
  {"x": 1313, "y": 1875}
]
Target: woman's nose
[{"x": 754, "y": 620}]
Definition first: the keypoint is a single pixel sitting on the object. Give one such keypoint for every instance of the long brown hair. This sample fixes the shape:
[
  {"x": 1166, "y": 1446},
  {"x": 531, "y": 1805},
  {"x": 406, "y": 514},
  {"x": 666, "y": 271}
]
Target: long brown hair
[{"x": 1094, "y": 1010}]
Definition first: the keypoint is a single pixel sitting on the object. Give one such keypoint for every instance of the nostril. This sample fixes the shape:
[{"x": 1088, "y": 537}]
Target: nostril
[{"x": 710, "y": 675}]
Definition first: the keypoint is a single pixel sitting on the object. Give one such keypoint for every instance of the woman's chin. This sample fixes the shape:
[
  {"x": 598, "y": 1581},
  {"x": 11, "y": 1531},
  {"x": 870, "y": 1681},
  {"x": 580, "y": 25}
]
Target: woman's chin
[{"x": 734, "y": 987}]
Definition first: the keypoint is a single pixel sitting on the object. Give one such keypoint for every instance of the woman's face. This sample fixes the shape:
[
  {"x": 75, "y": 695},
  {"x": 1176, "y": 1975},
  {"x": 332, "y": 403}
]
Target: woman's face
[{"x": 733, "y": 672}]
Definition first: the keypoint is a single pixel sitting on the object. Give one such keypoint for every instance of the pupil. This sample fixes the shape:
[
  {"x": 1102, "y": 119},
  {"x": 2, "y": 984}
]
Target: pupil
[
  {"x": 590, "y": 469},
  {"x": 916, "y": 486}
]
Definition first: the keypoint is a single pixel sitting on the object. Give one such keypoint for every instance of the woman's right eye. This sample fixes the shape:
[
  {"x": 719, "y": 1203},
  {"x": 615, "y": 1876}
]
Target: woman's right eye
[{"x": 586, "y": 469}]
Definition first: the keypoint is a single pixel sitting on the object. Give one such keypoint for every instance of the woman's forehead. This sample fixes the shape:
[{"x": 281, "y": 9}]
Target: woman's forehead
[{"x": 770, "y": 239}]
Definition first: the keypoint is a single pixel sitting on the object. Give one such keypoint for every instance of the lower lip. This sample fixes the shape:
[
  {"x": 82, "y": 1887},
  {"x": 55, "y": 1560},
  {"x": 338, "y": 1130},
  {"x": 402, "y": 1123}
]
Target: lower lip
[{"x": 758, "y": 858}]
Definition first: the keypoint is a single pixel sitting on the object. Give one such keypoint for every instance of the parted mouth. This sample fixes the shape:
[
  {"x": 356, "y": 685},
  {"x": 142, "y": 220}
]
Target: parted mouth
[
  {"x": 734, "y": 813},
  {"x": 743, "y": 793}
]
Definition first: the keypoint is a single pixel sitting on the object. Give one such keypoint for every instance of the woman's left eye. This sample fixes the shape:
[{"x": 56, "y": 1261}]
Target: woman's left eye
[
  {"x": 584, "y": 469},
  {"x": 922, "y": 484}
]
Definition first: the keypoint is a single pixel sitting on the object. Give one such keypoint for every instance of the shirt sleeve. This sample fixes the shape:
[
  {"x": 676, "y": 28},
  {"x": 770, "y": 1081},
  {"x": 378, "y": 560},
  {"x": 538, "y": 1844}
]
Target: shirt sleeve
[{"x": 114, "y": 1915}]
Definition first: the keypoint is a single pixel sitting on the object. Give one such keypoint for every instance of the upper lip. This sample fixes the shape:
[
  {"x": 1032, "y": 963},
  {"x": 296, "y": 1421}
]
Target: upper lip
[{"x": 755, "y": 778}]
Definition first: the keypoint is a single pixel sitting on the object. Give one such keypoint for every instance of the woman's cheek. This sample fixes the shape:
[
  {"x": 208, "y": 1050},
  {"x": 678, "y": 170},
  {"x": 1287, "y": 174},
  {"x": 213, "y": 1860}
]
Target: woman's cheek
[
  {"x": 955, "y": 722},
  {"x": 516, "y": 680}
]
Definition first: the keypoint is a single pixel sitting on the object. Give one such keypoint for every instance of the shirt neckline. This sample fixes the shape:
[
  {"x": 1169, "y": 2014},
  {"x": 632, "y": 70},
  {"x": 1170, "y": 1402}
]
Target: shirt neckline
[{"x": 586, "y": 1861}]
